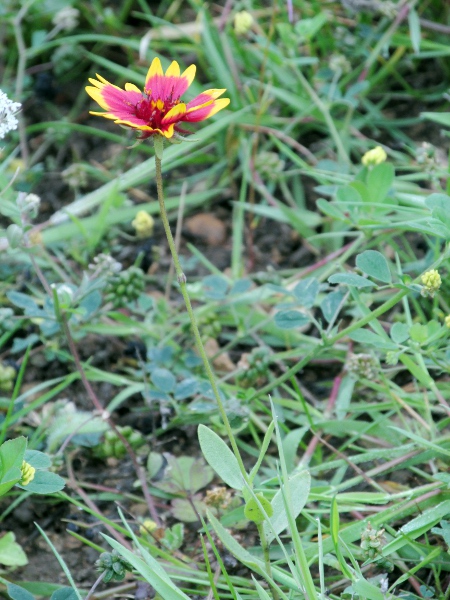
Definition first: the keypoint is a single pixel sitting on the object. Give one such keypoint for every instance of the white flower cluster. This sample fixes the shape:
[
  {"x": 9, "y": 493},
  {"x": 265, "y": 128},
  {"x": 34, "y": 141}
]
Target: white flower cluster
[
  {"x": 66, "y": 18},
  {"x": 8, "y": 110}
]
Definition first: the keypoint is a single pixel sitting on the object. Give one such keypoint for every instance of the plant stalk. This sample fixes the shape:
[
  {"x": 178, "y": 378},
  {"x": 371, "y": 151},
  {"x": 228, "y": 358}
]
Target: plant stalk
[{"x": 181, "y": 278}]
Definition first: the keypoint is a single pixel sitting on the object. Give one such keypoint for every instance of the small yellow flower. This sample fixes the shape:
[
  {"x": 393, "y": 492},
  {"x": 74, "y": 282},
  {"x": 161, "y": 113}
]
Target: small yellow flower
[
  {"x": 143, "y": 224},
  {"x": 447, "y": 321},
  {"x": 243, "y": 21},
  {"x": 147, "y": 527},
  {"x": 35, "y": 238},
  {"x": 27, "y": 472},
  {"x": 431, "y": 281},
  {"x": 373, "y": 157}
]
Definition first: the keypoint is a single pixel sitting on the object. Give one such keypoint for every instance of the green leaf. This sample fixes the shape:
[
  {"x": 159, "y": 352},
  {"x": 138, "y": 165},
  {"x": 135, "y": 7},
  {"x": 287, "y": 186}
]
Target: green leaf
[
  {"x": 22, "y": 301},
  {"x": 348, "y": 193},
  {"x": 399, "y": 332},
  {"x": 44, "y": 482},
  {"x": 290, "y": 319},
  {"x": 309, "y": 28},
  {"x": 365, "y": 336},
  {"x": 65, "y": 593},
  {"x": 290, "y": 445},
  {"x": 367, "y": 590},
  {"x": 414, "y": 29},
  {"x": 375, "y": 265},
  {"x": 253, "y": 512},
  {"x": 331, "y": 304},
  {"x": 299, "y": 487},
  {"x": 38, "y": 460},
  {"x": 18, "y": 593},
  {"x": 418, "y": 333},
  {"x": 11, "y": 458},
  {"x": 263, "y": 595},
  {"x": 215, "y": 287},
  {"x": 416, "y": 371},
  {"x": 379, "y": 181},
  {"x": 164, "y": 380},
  {"x": 441, "y": 118},
  {"x": 306, "y": 291},
  {"x": 351, "y": 279},
  {"x": 11, "y": 553},
  {"x": 331, "y": 210},
  {"x": 417, "y": 527},
  {"x": 220, "y": 457},
  {"x": 344, "y": 396},
  {"x": 233, "y": 546},
  {"x": 154, "y": 574}
]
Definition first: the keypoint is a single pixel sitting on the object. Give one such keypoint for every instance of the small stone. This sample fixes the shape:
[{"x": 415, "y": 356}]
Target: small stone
[{"x": 208, "y": 228}]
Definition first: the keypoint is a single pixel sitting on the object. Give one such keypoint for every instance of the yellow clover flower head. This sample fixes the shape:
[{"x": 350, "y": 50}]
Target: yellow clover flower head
[
  {"x": 243, "y": 22},
  {"x": 447, "y": 321},
  {"x": 431, "y": 281},
  {"x": 373, "y": 157},
  {"x": 27, "y": 472},
  {"x": 143, "y": 224},
  {"x": 147, "y": 527}
]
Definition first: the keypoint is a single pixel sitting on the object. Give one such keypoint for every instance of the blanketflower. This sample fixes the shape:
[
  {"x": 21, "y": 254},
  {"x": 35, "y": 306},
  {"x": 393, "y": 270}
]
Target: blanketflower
[{"x": 158, "y": 109}]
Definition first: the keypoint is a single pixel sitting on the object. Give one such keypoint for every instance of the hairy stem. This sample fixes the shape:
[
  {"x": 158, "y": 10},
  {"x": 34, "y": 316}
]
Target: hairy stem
[{"x": 181, "y": 278}]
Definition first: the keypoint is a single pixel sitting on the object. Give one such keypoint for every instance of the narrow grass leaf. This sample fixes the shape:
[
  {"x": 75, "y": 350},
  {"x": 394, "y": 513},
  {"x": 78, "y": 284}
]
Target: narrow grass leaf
[
  {"x": 155, "y": 576},
  {"x": 414, "y": 29},
  {"x": 262, "y": 452},
  {"x": 263, "y": 595},
  {"x": 61, "y": 561}
]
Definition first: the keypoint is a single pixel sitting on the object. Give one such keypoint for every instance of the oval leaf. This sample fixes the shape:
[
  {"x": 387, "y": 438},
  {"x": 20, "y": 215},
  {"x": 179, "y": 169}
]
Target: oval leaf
[
  {"x": 299, "y": 486},
  {"x": 290, "y": 319},
  {"x": 375, "y": 265},
  {"x": 220, "y": 457},
  {"x": 253, "y": 512},
  {"x": 163, "y": 380},
  {"x": 44, "y": 482},
  {"x": 351, "y": 279}
]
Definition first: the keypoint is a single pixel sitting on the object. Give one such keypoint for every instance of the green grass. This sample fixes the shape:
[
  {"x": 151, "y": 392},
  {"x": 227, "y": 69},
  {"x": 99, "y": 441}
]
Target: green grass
[{"x": 332, "y": 364}]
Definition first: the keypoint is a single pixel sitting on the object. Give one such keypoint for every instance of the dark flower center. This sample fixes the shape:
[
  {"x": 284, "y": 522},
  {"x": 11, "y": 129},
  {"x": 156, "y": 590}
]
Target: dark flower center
[{"x": 153, "y": 111}]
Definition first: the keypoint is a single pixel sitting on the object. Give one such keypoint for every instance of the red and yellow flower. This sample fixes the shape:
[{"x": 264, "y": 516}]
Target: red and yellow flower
[{"x": 158, "y": 109}]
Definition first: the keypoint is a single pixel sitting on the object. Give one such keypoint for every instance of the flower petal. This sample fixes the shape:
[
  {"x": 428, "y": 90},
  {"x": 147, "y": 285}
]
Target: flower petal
[
  {"x": 154, "y": 69},
  {"x": 173, "y": 70},
  {"x": 112, "y": 98},
  {"x": 130, "y": 87},
  {"x": 204, "y": 111},
  {"x": 175, "y": 114},
  {"x": 189, "y": 74},
  {"x": 172, "y": 85},
  {"x": 204, "y": 98}
]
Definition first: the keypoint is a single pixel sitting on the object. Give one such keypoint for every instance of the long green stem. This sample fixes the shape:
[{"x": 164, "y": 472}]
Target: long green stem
[
  {"x": 266, "y": 554},
  {"x": 181, "y": 277}
]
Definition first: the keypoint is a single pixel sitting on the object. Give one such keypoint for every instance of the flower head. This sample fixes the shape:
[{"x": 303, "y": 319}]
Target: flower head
[
  {"x": 27, "y": 473},
  {"x": 143, "y": 224},
  {"x": 243, "y": 22},
  {"x": 373, "y": 157},
  {"x": 431, "y": 281},
  {"x": 8, "y": 110},
  {"x": 158, "y": 109}
]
